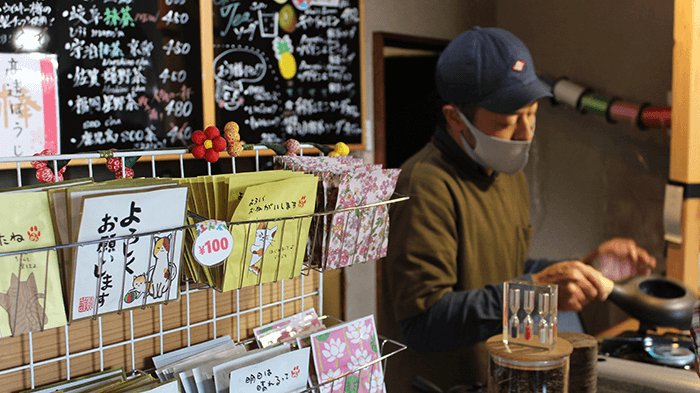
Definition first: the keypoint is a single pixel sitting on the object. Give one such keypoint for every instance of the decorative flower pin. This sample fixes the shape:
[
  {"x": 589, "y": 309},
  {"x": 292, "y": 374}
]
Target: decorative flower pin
[{"x": 208, "y": 144}]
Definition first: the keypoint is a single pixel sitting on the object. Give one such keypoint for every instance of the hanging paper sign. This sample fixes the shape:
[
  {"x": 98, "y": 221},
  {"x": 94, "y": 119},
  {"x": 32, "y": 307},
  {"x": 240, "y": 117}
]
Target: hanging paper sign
[
  {"x": 29, "y": 98},
  {"x": 213, "y": 243}
]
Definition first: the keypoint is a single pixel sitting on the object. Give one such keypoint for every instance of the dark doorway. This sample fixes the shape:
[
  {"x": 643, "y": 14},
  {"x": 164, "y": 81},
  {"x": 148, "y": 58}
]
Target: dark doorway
[
  {"x": 405, "y": 101},
  {"x": 413, "y": 106},
  {"x": 406, "y": 105}
]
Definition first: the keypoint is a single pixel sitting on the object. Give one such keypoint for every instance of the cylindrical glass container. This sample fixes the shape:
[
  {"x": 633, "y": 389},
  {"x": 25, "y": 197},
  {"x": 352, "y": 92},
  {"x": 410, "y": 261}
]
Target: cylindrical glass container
[{"x": 525, "y": 369}]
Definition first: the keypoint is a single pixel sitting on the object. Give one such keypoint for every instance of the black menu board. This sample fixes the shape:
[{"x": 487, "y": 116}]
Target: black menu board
[
  {"x": 288, "y": 69},
  {"x": 129, "y": 73},
  {"x": 25, "y": 26}
]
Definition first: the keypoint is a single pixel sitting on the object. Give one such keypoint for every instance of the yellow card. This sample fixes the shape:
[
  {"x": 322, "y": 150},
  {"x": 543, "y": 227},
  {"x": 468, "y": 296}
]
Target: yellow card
[
  {"x": 272, "y": 250},
  {"x": 31, "y": 298}
]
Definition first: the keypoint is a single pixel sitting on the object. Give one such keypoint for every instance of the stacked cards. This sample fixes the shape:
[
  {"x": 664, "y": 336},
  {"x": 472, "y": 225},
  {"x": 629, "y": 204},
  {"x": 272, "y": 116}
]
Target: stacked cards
[
  {"x": 111, "y": 381},
  {"x": 31, "y": 298},
  {"x": 360, "y": 233},
  {"x": 267, "y": 243},
  {"x": 114, "y": 275}
]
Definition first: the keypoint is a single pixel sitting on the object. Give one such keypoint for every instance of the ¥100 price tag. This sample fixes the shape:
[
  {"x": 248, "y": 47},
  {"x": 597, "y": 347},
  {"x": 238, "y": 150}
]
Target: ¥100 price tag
[{"x": 213, "y": 243}]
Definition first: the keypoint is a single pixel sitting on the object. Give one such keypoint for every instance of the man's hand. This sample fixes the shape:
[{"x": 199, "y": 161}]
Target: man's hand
[
  {"x": 620, "y": 258},
  {"x": 578, "y": 284}
]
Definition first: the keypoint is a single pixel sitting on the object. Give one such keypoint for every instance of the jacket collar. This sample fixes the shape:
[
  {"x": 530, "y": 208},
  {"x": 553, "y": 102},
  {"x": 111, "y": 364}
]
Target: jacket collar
[{"x": 453, "y": 152}]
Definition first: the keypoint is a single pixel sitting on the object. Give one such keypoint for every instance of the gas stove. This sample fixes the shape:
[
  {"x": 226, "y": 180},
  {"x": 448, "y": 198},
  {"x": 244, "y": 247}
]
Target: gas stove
[
  {"x": 668, "y": 349},
  {"x": 643, "y": 360}
]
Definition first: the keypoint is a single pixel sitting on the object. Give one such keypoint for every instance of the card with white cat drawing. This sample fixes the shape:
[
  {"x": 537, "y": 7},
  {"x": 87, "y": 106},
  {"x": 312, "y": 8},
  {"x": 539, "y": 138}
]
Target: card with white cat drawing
[
  {"x": 117, "y": 274},
  {"x": 270, "y": 244}
]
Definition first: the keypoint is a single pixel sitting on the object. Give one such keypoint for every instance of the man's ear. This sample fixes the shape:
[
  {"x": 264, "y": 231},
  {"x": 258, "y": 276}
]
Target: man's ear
[
  {"x": 455, "y": 125},
  {"x": 454, "y": 121}
]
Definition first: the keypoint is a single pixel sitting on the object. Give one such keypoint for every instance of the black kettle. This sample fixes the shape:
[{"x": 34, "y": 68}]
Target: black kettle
[{"x": 655, "y": 300}]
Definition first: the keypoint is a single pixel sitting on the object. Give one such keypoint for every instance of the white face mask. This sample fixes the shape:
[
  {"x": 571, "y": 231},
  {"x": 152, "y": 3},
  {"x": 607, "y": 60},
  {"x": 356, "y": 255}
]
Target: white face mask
[{"x": 495, "y": 153}]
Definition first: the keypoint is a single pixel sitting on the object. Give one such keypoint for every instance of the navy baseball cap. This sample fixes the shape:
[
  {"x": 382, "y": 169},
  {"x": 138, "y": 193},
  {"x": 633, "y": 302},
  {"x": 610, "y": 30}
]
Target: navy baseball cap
[{"x": 491, "y": 67}]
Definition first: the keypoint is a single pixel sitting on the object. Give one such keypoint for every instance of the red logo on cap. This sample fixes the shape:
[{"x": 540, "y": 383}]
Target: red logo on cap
[{"x": 518, "y": 66}]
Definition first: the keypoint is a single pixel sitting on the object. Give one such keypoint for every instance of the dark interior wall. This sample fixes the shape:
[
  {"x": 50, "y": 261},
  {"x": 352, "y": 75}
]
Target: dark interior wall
[{"x": 591, "y": 180}]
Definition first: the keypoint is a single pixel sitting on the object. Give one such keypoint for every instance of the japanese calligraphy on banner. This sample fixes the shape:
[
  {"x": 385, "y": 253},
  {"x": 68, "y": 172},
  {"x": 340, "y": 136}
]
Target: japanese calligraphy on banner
[
  {"x": 288, "y": 69},
  {"x": 28, "y": 104},
  {"x": 130, "y": 73},
  {"x": 115, "y": 275}
]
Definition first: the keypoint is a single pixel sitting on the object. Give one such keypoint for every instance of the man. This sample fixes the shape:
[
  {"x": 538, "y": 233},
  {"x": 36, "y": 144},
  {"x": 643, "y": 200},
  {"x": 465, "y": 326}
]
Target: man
[{"x": 466, "y": 227}]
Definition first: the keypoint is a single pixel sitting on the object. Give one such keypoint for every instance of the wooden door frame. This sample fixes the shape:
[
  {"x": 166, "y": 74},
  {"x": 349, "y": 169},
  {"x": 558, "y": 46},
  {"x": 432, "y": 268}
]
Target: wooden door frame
[{"x": 380, "y": 40}]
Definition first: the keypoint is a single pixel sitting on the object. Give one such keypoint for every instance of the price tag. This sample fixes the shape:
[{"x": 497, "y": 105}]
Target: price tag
[{"x": 213, "y": 243}]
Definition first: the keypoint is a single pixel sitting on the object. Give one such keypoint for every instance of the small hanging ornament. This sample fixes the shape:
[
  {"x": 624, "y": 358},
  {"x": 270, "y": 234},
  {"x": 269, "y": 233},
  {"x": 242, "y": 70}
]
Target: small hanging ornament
[
  {"x": 44, "y": 173},
  {"x": 234, "y": 148},
  {"x": 341, "y": 149},
  {"x": 114, "y": 164},
  {"x": 293, "y": 147}
]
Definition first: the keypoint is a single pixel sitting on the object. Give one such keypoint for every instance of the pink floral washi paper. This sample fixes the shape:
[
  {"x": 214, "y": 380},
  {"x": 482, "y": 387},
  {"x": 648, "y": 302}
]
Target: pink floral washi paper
[{"x": 345, "y": 349}]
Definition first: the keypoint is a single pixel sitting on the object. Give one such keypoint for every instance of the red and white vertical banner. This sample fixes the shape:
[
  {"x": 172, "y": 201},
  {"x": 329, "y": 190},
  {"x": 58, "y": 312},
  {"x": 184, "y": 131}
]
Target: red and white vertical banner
[{"x": 28, "y": 104}]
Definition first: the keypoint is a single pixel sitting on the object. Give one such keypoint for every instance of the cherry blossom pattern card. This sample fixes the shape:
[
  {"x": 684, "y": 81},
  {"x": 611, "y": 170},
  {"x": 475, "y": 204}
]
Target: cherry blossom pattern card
[
  {"x": 288, "y": 329},
  {"x": 346, "y": 349},
  {"x": 360, "y": 234}
]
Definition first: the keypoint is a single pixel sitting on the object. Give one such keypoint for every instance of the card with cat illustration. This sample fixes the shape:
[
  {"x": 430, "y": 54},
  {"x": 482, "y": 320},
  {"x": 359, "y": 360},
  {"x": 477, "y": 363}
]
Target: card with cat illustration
[
  {"x": 270, "y": 245},
  {"x": 31, "y": 298},
  {"x": 114, "y": 275}
]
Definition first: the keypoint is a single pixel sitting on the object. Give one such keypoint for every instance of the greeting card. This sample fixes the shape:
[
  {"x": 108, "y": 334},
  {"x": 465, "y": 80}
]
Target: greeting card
[
  {"x": 31, "y": 298},
  {"x": 113, "y": 275},
  {"x": 288, "y": 329},
  {"x": 286, "y": 373},
  {"x": 269, "y": 243},
  {"x": 346, "y": 349}
]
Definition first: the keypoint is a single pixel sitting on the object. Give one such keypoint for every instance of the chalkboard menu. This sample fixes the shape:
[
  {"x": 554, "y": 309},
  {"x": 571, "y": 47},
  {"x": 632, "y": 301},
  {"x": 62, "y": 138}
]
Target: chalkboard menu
[
  {"x": 25, "y": 26},
  {"x": 288, "y": 69},
  {"x": 129, "y": 73}
]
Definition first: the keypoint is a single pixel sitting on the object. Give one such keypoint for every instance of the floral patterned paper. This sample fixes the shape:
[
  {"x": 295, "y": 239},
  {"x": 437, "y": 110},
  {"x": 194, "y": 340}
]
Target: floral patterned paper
[
  {"x": 343, "y": 349},
  {"x": 356, "y": 235},
  {"x": 287, "y": 329}
]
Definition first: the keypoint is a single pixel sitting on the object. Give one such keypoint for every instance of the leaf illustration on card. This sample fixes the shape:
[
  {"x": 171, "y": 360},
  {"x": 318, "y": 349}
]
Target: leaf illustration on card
[
  {"x": 21, "y": 301},
  {"x": 323, "y": 337},
  {"x": 373, "y": 343}
]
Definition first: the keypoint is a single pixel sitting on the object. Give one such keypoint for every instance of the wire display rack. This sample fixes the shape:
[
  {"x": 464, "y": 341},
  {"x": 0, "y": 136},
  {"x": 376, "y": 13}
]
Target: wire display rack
[{"x": 131, "y": 337}]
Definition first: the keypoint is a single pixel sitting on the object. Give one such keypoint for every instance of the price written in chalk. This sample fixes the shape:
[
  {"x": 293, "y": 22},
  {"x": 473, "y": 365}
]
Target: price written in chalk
[{"x": 213, "y": 243}]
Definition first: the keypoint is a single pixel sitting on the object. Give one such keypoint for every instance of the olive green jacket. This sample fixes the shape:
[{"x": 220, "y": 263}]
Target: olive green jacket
[{"x": 460, "y": 230}]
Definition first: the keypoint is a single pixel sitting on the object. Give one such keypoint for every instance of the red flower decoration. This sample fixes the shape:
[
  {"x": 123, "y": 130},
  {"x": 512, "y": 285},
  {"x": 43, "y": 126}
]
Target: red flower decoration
[
  {"x": 44, "y": 173},
  {"x": 208, "y": 144}
]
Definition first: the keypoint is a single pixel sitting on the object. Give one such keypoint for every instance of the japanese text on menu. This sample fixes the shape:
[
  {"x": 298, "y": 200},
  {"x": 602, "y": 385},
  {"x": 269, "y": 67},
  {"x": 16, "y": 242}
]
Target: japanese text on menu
[
  {"x": 124, "y": 80},
  {"x": 288, "y": 69}
]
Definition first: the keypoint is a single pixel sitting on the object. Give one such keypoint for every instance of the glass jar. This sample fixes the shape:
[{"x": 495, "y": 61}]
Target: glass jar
[{"x": 525, "y": 369}]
